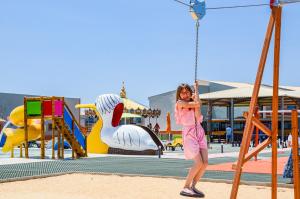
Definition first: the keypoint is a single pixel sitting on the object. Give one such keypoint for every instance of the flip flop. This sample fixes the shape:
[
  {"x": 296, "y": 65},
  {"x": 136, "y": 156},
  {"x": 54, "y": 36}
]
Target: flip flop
[{"x": 189, "y": 193}]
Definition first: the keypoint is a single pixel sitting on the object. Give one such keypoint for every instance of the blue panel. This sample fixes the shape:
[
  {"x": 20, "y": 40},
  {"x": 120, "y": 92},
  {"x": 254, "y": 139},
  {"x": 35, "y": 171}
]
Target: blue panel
[
  {"x": 68, "y": 119},
  {"x": 80, "y": 138},
  {"x": 3, "y": 140}
]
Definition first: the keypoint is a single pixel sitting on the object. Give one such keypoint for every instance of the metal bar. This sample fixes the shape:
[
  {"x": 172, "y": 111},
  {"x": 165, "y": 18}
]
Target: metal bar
[
  {"x": 279, "y": 111},
  {"x": 209, "y": 117},
  {"x": 295, "y": 147},
  {"x": 232, "y": 118},
  {"x": 282, "y": 120},
  {"x": 248, "y": 126}
]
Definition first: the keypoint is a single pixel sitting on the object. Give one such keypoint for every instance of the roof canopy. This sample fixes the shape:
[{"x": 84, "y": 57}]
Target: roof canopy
[{"x": 241, "y": 94}]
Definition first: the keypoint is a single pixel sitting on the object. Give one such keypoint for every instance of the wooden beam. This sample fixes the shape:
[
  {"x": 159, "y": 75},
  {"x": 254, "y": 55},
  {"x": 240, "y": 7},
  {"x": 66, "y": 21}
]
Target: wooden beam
[
  {"x": 42, "y": 129},
  {"x": 256, "y": 122},
  {"x": 248, "y": 126},
  {"x": 257, "y": 149},
  {"x": 21, "y": 150},
  {"x": 53, "y": 128},
  {"x": 26, "y": 128},
  {"x": 275, "y": 100}
]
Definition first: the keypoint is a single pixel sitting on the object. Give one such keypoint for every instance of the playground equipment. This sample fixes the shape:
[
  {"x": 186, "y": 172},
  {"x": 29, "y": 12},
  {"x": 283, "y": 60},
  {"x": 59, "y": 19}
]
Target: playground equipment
[
  {"x": 29, "y": 121},
  {"x": 251, "y": 120},
  {"x": 11, "y": 137},
  {"x": 107, "y": 137}
]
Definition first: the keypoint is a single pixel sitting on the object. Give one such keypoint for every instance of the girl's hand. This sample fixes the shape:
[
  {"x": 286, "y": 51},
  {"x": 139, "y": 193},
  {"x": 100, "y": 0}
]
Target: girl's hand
[
  {"x": 193, "y": 97},
  {"x": 196, "y": 85}
]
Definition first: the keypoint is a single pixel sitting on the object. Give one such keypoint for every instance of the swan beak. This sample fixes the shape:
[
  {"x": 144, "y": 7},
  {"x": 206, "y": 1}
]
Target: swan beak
[{"x": 91, "y": 106}]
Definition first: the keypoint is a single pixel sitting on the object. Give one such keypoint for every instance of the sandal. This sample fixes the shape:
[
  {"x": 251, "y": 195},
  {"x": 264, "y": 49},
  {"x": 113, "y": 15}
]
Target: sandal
[
  {"x": 189, "y": 193},
  {"x": 197, "y": 191}
]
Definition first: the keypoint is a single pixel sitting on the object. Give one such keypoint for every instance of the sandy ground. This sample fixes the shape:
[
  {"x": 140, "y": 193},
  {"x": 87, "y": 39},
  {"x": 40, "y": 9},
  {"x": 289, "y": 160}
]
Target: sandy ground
[{"x": 86, "y": 186}]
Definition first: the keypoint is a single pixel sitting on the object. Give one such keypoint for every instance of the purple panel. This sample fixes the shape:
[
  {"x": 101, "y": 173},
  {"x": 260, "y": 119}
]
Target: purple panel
[{"x": 58, "y": 108}]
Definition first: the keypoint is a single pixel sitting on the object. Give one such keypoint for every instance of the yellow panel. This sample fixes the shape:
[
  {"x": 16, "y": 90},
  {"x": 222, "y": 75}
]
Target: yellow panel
[{"x": 94, "y": 143}]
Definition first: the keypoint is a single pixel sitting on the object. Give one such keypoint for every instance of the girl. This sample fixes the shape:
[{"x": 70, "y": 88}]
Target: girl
[{"x": 187, "y": 114}]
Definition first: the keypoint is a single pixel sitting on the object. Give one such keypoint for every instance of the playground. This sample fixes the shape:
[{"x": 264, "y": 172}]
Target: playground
[
  {"x": 163, "y": 174},
  {"x": 128, "y": 187},
  {"x": 111, "y": 160}
]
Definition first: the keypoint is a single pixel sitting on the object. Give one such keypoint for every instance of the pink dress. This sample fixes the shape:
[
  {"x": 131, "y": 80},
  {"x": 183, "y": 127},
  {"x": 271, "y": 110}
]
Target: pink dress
[{"x": 193, "y": 134}]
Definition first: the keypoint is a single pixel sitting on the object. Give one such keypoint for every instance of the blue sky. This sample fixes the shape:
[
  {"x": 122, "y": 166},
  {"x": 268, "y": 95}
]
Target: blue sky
[{"x": 78, "y": 48}]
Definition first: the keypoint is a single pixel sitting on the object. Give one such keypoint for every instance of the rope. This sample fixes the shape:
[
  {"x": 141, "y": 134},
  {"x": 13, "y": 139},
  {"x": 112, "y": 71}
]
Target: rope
[
  {"x": 197, "y": 43},
  {"x": 238, "y": 6},
  {"x": 242, "y": 6},
  {"x": 196, "y": 67}
]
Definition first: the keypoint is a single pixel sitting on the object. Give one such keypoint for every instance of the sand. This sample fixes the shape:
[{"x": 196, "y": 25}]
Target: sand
[{"x": 87, "y": 186}]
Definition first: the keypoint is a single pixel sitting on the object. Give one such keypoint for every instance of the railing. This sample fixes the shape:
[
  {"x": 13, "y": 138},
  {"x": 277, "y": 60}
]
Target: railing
[{"x": 74, "y": 127}]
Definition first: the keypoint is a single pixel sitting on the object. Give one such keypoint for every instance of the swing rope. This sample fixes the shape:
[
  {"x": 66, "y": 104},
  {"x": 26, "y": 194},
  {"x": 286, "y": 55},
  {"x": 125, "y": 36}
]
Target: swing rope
[
  {"x": 196, "y": 67},
  {"x": 197, "y": 44}
]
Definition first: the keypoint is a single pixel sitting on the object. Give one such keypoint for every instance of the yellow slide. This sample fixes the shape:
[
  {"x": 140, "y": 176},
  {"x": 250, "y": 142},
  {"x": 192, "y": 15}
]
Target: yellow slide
[
  {"x": 16, "y": 136},
  {"x": 94, "y": 142}
]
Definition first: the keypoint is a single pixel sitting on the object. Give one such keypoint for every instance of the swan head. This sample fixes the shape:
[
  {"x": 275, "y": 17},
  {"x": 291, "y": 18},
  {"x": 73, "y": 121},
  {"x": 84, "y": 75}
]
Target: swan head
[{"x": 110, "y": 107}]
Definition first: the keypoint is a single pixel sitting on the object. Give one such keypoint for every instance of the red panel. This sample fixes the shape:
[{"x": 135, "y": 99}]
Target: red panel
[
  {"x": 118, "y": 111},
  {"x": 47, "y": 108},
  {"x": 271, "y": 3}
]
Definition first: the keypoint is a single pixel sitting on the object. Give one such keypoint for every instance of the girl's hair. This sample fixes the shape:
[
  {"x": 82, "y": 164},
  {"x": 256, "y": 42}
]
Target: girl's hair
[{"x": 180, "y": 88}]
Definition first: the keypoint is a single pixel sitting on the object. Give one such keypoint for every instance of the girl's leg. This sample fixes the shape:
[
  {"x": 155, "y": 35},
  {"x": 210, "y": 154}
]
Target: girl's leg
[
  {"x": 204, "y": 157},
  {"x": 193, "y": 171}
]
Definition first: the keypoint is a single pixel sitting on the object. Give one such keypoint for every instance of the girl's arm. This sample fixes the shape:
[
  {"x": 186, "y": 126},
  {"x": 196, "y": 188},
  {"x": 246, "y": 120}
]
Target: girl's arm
[{"x": 183, "y": 104}]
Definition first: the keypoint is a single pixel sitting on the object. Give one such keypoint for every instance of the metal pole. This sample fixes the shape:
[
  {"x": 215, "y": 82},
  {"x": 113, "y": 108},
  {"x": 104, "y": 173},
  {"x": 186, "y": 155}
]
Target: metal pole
[
  {"x": 282, "y": 120},
  {"x": 232, "y": 118},
  {"x": 295, "y": 156}
]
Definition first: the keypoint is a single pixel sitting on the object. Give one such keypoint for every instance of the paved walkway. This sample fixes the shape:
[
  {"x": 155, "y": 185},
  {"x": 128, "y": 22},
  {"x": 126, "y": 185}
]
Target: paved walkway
[
  {"x": 257, "y": 167},
  {"x": 171, "y": 164}
]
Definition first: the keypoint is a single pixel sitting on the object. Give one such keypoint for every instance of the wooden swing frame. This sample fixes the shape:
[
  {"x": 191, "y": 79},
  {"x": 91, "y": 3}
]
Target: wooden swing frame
[{"x": 251, "y": 120}]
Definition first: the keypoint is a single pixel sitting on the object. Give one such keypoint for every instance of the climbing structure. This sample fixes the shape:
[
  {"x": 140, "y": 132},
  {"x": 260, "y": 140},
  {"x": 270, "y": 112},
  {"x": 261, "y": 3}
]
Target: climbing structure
[{"x": 63, "y": 122}]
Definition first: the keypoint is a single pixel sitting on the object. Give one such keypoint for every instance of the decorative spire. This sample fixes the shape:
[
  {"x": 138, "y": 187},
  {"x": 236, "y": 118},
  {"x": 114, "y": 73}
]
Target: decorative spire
[{"x": 123, "y": 91}]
